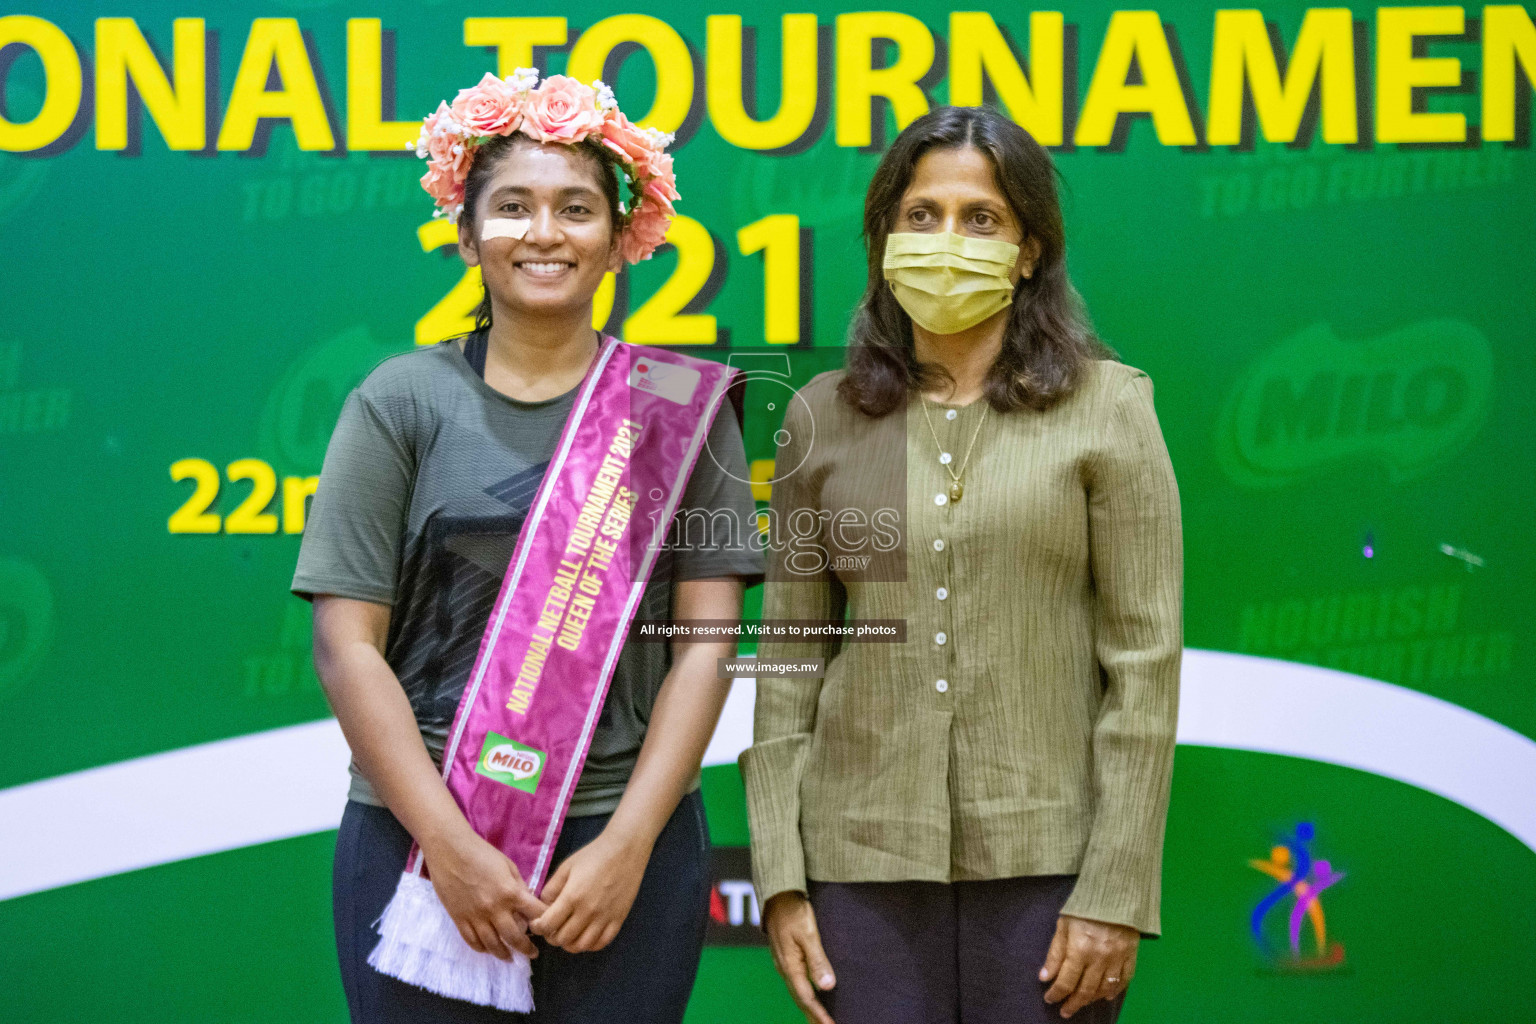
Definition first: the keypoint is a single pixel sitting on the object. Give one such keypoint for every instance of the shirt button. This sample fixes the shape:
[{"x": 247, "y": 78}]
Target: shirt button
[
  {"x": 938, "y": 545},
  {"x": 941, "y": 593},
  {"x": 942, "y": 685},
  {"x": 939, "y": 639},
  {"x": 950, "y": 414},
  {"x": 945, "y": 458},
  {"x": 940, "y": 499}
]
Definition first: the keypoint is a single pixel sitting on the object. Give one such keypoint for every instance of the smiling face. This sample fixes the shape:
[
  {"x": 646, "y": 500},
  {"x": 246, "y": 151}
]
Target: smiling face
[
  {"x": 555, "y": 268},
  {"x": 955, "y": 189}
]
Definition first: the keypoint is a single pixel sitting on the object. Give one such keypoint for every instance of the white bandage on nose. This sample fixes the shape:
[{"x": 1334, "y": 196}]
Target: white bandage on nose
[{"x": 504, "y": 227}]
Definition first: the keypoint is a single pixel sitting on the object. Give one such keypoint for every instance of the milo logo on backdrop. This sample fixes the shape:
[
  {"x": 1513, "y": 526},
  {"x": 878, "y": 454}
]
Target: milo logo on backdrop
[
  {"x": 26, "y": 622},
  {"x": 301, "y": 409},
  {"x": 510, "y": 763},
  {"x": 1405, "y": 399}
]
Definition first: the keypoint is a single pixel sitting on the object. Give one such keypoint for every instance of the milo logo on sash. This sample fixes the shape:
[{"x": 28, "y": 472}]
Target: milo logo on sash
[{"x": 510, "y": 763}]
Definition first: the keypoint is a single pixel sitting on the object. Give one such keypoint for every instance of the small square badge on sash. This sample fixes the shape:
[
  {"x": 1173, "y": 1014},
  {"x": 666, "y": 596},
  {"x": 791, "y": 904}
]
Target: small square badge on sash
[
  {"x": 668, "y": 380},
  {"x": 510, "y": 763}
]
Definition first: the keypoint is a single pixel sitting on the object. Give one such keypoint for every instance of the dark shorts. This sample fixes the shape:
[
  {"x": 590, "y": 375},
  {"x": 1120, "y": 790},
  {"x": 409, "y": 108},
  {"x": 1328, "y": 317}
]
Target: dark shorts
[
  {"x": 645, "y": 975},
  {"x": 944, "y": 953}
]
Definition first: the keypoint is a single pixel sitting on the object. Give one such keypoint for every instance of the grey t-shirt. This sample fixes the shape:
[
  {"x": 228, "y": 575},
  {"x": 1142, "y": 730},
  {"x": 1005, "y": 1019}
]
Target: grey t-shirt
[{"x": 425, "y": 485}]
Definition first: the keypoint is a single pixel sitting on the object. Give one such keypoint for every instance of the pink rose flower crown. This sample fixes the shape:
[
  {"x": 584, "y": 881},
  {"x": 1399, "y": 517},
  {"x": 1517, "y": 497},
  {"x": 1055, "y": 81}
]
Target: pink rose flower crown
[{"x": 559, "y": 109}]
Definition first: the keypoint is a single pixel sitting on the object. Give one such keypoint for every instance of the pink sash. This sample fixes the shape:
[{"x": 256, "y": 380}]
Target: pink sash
[{"x": 525, "y": 721}]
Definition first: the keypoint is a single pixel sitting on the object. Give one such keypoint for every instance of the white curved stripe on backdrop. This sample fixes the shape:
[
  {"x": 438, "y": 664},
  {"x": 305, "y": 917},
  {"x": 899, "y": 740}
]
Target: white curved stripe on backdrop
[{"x": 291, "y": 782}]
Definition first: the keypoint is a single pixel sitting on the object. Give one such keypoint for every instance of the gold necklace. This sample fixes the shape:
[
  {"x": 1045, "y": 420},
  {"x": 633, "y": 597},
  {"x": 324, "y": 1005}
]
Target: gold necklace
[{"x": 956, "y": 488}]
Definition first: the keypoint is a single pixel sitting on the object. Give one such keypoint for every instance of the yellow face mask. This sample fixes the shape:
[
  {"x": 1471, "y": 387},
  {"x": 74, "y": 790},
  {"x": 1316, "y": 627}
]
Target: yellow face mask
[{"x": 948, "y": 282}]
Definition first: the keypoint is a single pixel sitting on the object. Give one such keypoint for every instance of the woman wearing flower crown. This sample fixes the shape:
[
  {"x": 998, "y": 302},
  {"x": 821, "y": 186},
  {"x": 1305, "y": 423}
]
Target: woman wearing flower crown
[{"x": 425, "y": 486}]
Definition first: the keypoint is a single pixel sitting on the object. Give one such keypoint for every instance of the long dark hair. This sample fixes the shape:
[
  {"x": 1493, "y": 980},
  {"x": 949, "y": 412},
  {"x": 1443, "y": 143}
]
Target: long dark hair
[
  {"x": 1048, "y": 337},
  {"x": 491, "y": 153}
]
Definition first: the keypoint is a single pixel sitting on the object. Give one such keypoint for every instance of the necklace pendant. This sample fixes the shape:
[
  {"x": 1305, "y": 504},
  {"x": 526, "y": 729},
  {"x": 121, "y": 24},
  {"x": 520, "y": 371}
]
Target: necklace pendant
[{"x": 955, "y": 491}]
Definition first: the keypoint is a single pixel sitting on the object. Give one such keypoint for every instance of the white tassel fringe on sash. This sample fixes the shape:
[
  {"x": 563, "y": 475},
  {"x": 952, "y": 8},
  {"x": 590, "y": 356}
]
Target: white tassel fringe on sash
[{"x": 420, "y": 945}]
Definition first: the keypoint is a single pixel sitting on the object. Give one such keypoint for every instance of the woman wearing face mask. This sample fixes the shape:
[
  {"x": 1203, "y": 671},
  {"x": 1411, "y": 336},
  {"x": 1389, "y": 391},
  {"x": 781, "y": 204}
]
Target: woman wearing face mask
[
  {"x": 968, "y": 826},
  {"x": 426, "y": 484}
]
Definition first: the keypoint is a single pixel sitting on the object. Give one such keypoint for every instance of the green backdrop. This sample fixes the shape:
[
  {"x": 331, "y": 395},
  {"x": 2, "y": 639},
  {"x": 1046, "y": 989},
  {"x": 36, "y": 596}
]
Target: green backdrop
[{"x": 1330, "y": 287}]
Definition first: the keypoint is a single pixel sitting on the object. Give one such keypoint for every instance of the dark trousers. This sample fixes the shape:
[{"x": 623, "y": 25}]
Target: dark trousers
[
  {"x": 644, "y": 976},
  {"x": 944, "y": 953}
]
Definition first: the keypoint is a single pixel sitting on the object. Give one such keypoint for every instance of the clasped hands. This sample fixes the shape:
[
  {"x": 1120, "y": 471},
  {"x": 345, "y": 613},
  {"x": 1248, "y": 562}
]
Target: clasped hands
[{"x": 584, "y": 902}]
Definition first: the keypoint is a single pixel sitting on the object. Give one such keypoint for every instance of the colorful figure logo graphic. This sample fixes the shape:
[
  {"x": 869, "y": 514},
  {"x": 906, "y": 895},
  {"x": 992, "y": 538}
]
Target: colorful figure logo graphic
[{"x": 1304, "y": 879}]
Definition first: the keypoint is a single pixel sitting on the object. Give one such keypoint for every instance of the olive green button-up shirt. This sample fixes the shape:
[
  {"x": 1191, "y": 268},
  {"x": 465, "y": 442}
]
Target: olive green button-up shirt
[{"x": 1026, "y": 725}]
